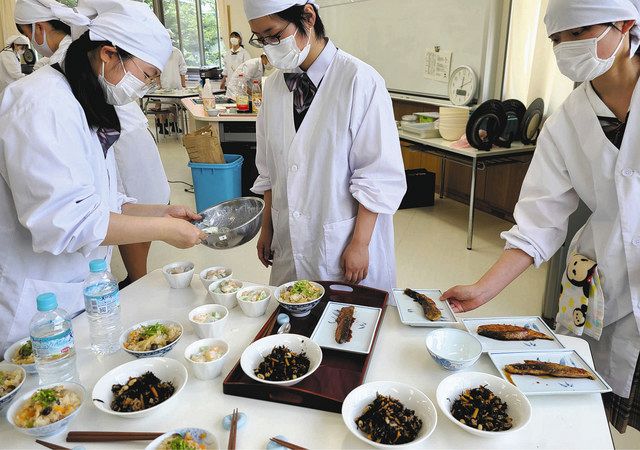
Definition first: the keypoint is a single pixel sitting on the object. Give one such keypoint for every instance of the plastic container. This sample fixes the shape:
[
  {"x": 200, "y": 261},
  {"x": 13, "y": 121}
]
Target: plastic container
[
  {"x": 102, "y": 303},
  {"x": 53, "y": 343},
  {"x": 208, "y": 99},
  {"x": 427, "y": 117},
  {"x": 256, "y": 97},
  {"x": 242, "y": 97},
  {"x": 216, "y": 183},
  {"x": 421, "y": 130}
]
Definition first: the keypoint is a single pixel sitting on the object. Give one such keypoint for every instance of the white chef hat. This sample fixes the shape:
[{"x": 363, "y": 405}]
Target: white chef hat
[
  {"x": 563, "y": 15},
  {"x": 16, "y": 39},
  {"x": 260, "y": 8},
  {"x": 127, "y": 24},
  {"x": 32, "y": 11}
]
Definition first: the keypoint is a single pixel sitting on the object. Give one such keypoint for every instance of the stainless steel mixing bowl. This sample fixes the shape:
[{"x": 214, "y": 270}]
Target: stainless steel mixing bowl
[{"x": 232, "y": 223}]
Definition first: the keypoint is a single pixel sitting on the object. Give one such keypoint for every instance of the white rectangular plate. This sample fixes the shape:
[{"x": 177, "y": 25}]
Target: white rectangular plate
[
  {"x": 494, "y": 345},
  {"x": 411, "y": 312},
  {"x": 363, "y": 329},
  {"x": 534, "y": 385}
]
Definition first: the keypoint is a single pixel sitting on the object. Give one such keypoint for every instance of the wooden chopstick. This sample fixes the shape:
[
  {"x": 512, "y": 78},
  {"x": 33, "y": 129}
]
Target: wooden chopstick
[
  {"x": 233, "y": 431},
  {"x": 110, "y": 436},
  {"x": 51, "y": 446},
  {"x": 286, "y": 444}
]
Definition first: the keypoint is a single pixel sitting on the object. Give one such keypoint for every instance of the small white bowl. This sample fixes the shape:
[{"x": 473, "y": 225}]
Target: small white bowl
[
  {"x": 51, "y": 429},
  {"x": 8, "y": 355},
  {"x": 211, "y": 369},
  {"x": 8, "y": 367},
  {"x": 255, "y": 353},
  {"x": 453, "y": 349},
  {"x": 179, "y": 280},
  {"x": 151, "y": 353},
  {"x": 165, "y": 369},
  {"x": 253, "y": 309},
  {"x": 298, "y": 309},
  {"x": 202, "y": 437},
  {"x": 206, "y": 282},
  {"x": 518, "y": 406},
  {"x": 227, "y": 300},
  {"x": 211, "y": 329},
  {"x": 358, "y": 399}
]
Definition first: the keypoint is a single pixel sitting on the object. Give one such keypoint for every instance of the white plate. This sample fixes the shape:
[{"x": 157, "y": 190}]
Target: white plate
[
  {"x": 363, "y": 329},
  {"x": 533, "y": 323},
  {"x": 533, "y": 385},
  {"x": 411, "y": 313}
]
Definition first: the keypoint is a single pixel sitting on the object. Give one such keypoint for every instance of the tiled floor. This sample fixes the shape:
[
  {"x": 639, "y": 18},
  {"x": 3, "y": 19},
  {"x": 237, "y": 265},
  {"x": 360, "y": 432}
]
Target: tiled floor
[{"x": 430, "y": 248}]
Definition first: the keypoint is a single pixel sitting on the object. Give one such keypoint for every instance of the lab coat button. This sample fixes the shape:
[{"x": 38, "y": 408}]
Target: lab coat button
[
  {"x": 628, "y": 172},
  {"x": 296, "y": 215},
  {"x": 636, "y": 242},
  {"x": 294, "y": 168}
]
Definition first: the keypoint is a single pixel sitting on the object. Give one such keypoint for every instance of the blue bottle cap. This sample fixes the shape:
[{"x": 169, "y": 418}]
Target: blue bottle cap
[
  {"x": 47, "y": 302},
  {"x": 97, "y": 265}
]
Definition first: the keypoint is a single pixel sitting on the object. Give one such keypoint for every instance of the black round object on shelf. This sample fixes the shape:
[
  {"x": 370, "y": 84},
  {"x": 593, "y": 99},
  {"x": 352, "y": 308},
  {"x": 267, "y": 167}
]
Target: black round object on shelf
[
  {"x": 515, "y": 111},
  {"x": 532, "y": 121},
  {"x": 29, "y": 56},
  {"x": 486, "y": 125}
]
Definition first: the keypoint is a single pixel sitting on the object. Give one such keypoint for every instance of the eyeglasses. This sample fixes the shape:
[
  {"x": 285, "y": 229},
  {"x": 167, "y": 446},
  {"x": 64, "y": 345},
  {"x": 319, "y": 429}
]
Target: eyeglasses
[
  {"x": 260, "y": 42},
  {"x": 149, "y": 81}
]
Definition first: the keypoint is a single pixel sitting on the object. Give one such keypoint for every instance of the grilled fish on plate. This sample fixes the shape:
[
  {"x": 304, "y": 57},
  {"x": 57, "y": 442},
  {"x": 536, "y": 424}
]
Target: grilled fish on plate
[
  {"x": 510, "y": 333},
  {"x": 344, "y": 322},
  {"x": 429, "y": 307},
  {"x": 539, "y": 368}
]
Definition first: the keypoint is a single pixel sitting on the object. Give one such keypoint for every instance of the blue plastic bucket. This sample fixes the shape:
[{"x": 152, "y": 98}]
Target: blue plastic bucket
[{"x": 215, "y": 183}]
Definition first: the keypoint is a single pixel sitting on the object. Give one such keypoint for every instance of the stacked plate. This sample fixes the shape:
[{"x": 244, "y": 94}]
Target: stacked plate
[{"x": 453, "y": 122}]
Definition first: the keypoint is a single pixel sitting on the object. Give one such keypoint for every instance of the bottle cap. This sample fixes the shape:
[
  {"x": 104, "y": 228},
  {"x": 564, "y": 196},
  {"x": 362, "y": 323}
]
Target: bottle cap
[
  {"x": 97, "y": 265},
  {"x": 47, "y": 302}
]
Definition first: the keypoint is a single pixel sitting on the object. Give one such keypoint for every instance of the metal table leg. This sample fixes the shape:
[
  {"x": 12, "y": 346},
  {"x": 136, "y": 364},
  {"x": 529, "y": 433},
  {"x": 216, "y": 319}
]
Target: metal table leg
[
  {"x": 472, "y": 202},
  {"x": 443, "y": 168}
]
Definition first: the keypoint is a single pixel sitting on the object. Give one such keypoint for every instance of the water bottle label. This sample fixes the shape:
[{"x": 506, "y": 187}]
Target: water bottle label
[
  {"x": 103, "y": 304},
  {"x": 50, "y": 348}
]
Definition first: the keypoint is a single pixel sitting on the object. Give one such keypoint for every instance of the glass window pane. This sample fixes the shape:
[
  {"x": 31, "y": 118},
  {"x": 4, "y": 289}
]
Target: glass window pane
[
  {"x": 170, "y": 19},
  {"x": 189, "y": 31},
  {"x": 212, "y": 48}
]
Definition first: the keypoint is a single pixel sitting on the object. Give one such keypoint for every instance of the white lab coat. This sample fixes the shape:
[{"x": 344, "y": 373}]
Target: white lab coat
[
  {"x": 172, "y": 72},
  {"x": 233, "y": 60},
  {"x": 56, "y": 194},
  {"x": 346, "y": 152},
  {"x": 575, "y": 160},
  {"x": 10, "y": 69},
  {"x": 251, "y": 70},
  {"x": 140, "y": 171},
  {"x": 57, "y": 57}
]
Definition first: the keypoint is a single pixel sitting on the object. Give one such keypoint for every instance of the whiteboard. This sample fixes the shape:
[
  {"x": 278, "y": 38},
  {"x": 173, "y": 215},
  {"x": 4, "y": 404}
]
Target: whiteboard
[{"x": 394, "y": 36}]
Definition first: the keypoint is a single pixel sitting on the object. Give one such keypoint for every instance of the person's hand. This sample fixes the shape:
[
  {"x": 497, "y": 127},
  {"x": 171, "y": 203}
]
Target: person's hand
[
  {"x": 265, "y": 255},
  {"x": 181, "y": 212},
  {"x": 466, "y": 298},
  {"x": 182, "y": 234},
  {"x": 355, "y": 262}
]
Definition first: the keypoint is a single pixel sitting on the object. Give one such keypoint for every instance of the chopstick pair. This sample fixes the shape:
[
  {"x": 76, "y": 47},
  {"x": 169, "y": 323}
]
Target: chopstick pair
[
  {"x": 110, "y": 436},
  {"x": 286, "y": 444},
  {"x": 233, "y": 431}
]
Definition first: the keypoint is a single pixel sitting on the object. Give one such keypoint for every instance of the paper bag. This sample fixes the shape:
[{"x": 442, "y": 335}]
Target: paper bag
[{"x": 203, "y": 146}]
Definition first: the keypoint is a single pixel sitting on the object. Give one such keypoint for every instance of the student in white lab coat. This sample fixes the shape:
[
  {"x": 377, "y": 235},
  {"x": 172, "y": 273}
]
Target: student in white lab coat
[
  {"x": 328, "y": 155},
  {"x": 174, "y": 76},
  {"x": 58, "y": 195},
  {"x": 10, "y": 68},
  {"x": 589, "y": 151},
  {"x": 254, "y": 69},
  {"x": 234, "y": 57}
]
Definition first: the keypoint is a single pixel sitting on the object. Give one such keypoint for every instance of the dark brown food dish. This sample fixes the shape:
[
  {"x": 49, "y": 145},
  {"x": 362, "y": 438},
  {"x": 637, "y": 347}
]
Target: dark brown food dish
[
  {"x": 429, "y": 307},
  {"x": 481, "y": 409},
  {"x": 283, "y": 365},
  {"x": 343, "y": 324},
  {"x": 539, "y": 368},
  {"x": 387, "y": 421},
  {"x": 143, "y": 392},
  {"x": 511, "y": 333}
]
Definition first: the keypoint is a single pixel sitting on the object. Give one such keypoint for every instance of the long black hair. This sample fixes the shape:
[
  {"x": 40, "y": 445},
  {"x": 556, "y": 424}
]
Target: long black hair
[
  {"x": 297, "y": 16},
  {"x": 85, "y": 85}
]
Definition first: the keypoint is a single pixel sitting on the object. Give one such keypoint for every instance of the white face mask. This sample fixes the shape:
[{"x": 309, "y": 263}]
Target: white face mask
[
  {"x": 43, "y": 48},
  {"x": 20, "y": 53},
  {"x": 129, "y": 88},
  {"x": 578, "y": 60},
  {"x": 286, "y": 55},
  {"x": 234, "y": 41}
]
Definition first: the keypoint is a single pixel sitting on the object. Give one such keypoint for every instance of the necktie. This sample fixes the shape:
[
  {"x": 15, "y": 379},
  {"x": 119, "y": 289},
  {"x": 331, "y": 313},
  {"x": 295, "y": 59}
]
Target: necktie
[
  {"x": 107, "y": 138},
  {"x": 303, "y": 90},
  {"x": 614, "y": 129}
]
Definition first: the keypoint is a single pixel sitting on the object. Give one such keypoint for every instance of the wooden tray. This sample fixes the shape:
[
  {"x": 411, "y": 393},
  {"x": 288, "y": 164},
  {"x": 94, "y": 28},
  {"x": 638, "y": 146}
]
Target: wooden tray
[{"x": 338, "y": 374}]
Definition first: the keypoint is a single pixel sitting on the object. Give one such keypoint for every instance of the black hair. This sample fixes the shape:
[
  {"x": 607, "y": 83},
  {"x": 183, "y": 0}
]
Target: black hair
[
  {"x": 238, "y": 35},
  {"x": 297, "y": 16},
  {"x": 57, "y": 25},
  {"x": 85, "y": 85}
]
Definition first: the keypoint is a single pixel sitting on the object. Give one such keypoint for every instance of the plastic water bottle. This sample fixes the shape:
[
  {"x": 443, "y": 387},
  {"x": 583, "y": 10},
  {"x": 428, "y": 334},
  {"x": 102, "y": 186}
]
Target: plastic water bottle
[
  {"x": 53, "y": 344},
  {"x": 102, "y": 303}
]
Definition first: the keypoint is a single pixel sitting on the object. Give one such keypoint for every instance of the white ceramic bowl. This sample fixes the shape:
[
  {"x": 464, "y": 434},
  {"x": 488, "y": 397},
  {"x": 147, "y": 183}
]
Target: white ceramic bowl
[
  {"x": 453, "y": 349},
  {"x": 257, "y": 351},
  {"x": 411, "y": 398},
  {"x": 179, "y": 280},
  {"x": 298, "y": 309},
  {"x": 453, "y": 110},
  {"x": 8, "y": 367},
  {"x": 201, "y": 436},
  {"x": 51, "y": 429},
  {"x": 253, "y": 309},
  {"x": 151, "y": 353},
  {"x": 207, "y": 370},
  {"x": 165, "y": 369},
  {"x": 206, "y": 282},
  {"x": 227, "y": 300},
  {"x": 8, "y": 355},
  {"x": 518, "y": 406},
  {"x": 211, "y": 329},
  {"x": 451, "y": 134}
]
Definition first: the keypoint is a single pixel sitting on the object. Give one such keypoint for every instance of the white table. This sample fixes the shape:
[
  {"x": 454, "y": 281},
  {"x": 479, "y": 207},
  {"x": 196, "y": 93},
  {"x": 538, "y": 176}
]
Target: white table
[
  {"x": 561, "y": 422},
  {"x": 467, "y": 156}
]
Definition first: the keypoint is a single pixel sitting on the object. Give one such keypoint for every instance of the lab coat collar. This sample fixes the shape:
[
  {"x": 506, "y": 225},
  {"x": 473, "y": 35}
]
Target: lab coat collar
[
  {"x": 320, "y": 66},
  {"x": 596, "y": 102}
]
